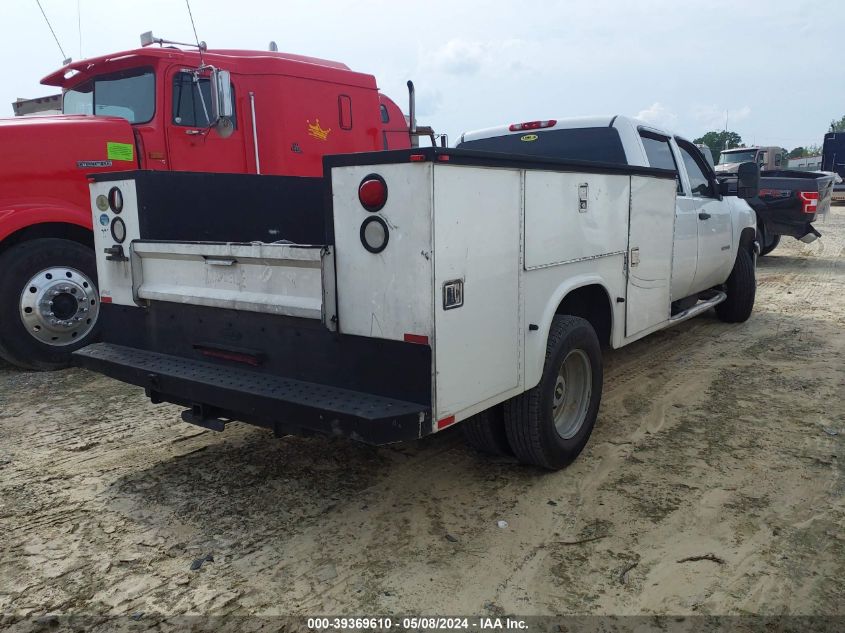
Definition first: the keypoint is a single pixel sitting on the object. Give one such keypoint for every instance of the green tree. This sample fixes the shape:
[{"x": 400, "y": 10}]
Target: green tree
[
  {"x": 798, "y": 152},
  {"x": 838, "y": 126},
  {"x": 719, "y": 141}
]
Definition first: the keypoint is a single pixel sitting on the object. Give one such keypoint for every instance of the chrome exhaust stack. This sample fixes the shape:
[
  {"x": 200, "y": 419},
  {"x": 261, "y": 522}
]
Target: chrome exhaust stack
[{"x": 414, "y": 131}]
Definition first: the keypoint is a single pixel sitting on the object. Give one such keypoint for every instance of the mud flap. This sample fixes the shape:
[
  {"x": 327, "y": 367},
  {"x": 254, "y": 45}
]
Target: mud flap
[{"x": 811, "y": 236}]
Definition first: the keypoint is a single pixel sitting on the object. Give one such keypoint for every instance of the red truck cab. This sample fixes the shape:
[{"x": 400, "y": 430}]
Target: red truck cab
[{"x": 152, "y": 108}]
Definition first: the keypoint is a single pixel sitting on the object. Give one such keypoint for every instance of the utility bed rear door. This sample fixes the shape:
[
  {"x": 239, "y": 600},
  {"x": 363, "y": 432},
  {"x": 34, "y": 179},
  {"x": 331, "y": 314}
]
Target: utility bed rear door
[{"x": 477, "y": 214}]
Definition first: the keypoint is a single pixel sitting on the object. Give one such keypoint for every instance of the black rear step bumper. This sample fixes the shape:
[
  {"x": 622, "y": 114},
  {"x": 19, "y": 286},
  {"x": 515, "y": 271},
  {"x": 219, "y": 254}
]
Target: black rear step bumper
[{"x": 286, "y": 406}]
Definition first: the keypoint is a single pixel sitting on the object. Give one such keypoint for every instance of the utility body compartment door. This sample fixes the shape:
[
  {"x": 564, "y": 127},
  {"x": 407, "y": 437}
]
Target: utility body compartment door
[
  {"x": 477, "y": 215},
  {"x": 650, "y": 245}
]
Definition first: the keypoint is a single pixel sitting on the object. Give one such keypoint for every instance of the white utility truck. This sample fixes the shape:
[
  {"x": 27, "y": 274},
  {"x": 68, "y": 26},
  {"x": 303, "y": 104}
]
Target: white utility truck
[{"x": 408, "y": 291}]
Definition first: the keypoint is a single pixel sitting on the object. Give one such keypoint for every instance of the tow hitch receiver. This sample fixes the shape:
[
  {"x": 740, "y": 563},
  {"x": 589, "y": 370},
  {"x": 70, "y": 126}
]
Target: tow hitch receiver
[{"x": 200, "y": 415}]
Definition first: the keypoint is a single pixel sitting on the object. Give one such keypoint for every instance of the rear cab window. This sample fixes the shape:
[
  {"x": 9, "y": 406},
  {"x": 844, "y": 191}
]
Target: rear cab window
[
  {"x": 659, "y": 154},
  {"x": 594, "y": 144}
]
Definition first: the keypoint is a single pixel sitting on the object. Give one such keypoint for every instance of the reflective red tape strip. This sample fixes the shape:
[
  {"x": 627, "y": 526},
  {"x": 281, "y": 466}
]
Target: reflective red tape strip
[{"x": 442, "y": 424}]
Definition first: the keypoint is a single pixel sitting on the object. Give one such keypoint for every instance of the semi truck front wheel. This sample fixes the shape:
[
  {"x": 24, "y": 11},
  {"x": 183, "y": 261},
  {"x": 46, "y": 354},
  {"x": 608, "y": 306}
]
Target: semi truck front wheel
[
  {"x": 48, "y": 302},
  {"x": 549, "y": 425}
]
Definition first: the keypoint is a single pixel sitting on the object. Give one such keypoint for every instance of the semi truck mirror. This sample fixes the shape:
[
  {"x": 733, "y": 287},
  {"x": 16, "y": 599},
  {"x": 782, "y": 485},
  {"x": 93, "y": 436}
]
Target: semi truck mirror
[
  {"x": 748, "y": 180},
  {"x": 222, "y": 106}
]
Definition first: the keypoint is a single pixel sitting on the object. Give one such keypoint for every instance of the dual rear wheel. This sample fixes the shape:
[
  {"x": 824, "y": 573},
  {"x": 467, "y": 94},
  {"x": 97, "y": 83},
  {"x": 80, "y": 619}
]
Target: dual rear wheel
[{"x": 549, "y": 425}]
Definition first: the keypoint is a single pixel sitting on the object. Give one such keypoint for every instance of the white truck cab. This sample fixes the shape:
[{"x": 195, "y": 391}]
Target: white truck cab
[
  {"x": 413, "y": 290},
  {"x": 707, "y": 226}
]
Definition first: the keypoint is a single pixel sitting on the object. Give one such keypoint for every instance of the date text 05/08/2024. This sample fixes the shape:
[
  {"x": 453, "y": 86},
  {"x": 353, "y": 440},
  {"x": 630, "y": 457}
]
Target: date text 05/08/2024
[{"x": 418, "y": 623}]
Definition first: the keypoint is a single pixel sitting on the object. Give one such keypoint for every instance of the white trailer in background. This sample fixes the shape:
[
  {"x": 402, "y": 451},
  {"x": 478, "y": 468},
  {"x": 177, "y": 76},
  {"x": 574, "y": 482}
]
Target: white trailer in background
[{"x": 447, "y": 286}]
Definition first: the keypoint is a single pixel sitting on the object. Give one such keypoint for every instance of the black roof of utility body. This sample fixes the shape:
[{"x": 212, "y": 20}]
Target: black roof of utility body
[{"x": 490, "y": 159}]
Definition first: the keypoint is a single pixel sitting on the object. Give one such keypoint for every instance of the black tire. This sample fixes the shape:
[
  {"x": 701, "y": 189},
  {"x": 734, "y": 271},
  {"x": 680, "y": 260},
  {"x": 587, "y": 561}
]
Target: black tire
[
  {"x": 770, "y": 245},
  {"x": 529, "y": 420},
  {"x": 741, "y": 289},
  {"x": 17, "y": 266},
  {"x": 485, "y": 432}
]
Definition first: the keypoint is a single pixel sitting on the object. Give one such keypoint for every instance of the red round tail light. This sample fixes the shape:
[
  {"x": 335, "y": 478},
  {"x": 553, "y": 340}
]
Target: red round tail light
[{"x": 372, "y": 193}]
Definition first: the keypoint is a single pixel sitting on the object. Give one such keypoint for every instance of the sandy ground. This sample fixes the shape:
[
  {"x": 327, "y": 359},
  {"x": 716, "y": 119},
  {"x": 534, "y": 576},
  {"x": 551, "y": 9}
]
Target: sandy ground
[{"x": 713, "y": 440}]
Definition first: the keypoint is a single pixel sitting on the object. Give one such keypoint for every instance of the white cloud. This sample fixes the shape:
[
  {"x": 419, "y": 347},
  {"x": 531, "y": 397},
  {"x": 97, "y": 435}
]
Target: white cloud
[
  {"x": 467, "y": 58},
  {"x": 429, "y": 102},
  {"x": 658, "y": 114},
  {"x": 459, "y": 57}
]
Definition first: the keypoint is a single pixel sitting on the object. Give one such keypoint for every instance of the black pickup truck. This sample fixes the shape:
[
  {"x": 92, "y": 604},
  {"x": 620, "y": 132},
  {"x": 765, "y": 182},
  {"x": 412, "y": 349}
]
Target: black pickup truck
[{"x": 788, "y": 203}]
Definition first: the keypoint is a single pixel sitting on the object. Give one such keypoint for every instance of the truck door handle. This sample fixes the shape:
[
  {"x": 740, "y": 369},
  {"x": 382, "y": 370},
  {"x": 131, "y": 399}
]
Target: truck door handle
[{"x": 704, "y": 216}]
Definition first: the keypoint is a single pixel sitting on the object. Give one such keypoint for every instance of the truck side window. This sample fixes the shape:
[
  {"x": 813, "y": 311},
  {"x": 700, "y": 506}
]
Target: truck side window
[
  {"x": 344, "y": 106},
  {"x": 699, "y": 182},
  {"x": 385, "y": 115},
  {"x": 660, "y": 155},
  {"x": 187, "y": 105}
]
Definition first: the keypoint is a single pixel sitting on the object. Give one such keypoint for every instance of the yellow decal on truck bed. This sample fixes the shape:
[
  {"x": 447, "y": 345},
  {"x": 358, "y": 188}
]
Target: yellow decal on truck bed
[{"x": 120, "y": 151}]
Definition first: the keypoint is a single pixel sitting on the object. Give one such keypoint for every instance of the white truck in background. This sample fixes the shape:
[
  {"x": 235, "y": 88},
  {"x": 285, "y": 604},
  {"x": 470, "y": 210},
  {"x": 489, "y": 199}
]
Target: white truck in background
[
  {"x": 768, "y": 158},
  {"x": 474, "y": 285}
]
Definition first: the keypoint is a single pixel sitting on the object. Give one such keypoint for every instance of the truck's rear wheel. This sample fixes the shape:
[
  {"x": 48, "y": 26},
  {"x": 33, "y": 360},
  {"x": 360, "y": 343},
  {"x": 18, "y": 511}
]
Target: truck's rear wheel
[
  {"x": 741, "y": 289},
  {"x": 485, "y": 432},
  {"x": 549, "y": 425},
  {"x": 48, "y": 302}
]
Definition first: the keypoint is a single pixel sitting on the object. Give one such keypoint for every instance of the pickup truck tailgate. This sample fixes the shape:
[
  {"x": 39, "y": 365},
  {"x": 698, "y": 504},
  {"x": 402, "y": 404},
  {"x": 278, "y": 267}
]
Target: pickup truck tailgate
[{"x": 281, "y": 279}]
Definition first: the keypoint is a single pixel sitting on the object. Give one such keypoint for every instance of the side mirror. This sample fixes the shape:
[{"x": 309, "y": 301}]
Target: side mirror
[
  {"x": 222, "y": 102},
  {"x": 748, "y": 181}
]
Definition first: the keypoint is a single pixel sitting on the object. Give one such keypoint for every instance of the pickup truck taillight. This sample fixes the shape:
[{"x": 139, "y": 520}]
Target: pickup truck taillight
[{"x": 809, "y": 201}]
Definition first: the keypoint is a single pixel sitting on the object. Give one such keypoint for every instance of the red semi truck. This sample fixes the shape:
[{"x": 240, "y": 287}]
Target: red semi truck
[{"x": 156, "y": 108}]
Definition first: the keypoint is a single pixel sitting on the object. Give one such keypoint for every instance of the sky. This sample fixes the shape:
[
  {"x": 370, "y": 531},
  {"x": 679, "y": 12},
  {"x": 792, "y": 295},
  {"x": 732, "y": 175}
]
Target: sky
[{"x": 774, "y": 66}]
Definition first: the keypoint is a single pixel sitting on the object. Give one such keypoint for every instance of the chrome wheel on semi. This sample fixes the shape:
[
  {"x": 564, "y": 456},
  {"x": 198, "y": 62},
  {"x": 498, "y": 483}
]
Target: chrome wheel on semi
[
  {"x": 49, "y": 303},
  {"x": 59, "y": 306}
]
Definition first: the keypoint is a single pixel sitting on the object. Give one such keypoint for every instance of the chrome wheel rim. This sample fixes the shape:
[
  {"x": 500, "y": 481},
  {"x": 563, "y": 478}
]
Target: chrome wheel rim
[
  {"x": 572, "y": 391},
  {"x": 59, "y": 306}
]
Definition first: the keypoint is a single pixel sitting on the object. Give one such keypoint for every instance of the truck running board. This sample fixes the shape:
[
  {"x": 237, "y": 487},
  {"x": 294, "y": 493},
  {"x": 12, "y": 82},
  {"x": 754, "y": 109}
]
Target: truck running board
[{"x": 698, "y": 308}]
